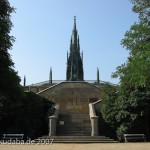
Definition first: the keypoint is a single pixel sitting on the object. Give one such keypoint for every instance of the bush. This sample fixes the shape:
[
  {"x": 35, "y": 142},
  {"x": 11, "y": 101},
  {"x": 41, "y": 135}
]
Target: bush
[{"x": 30, "y": 117}]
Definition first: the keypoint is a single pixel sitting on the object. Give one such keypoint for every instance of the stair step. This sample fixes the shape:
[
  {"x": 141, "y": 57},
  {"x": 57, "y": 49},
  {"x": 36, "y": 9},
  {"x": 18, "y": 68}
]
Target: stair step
[
  {"x": 76, "y": 139},
  {"x": 71, "y": 126},
  {"x": 74, "y": 133},
  {"x": 75, "y": 124},
  {"x": 76, "y": 120}
]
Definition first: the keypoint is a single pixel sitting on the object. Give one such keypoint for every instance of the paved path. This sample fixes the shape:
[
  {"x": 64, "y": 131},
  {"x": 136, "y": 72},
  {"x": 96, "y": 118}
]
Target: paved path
[{"x": 101, "y": 146}]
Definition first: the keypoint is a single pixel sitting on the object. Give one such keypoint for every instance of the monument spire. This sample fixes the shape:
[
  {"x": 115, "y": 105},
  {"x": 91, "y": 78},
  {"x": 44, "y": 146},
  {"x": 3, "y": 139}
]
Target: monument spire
[
  {"x": 24, "y": 82},
  {"x": 50, "y": 76},
  {"x": 74, "y": 59},
  {"x": 97, "y": 75}
]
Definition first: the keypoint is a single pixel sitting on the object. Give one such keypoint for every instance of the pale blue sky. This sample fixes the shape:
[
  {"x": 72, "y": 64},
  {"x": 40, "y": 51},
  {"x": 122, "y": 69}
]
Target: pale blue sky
[{"x": 43, "y": 29}]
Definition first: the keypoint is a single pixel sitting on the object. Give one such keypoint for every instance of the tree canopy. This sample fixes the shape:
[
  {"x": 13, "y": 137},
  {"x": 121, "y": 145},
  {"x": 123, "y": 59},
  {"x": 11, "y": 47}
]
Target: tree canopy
[
  {"x": 9, "y": 79},
  {"x": 135, "y": 72},
  {"x": 10, "y": 89},
  {"x": 131, "y": 105},
  {"x": 19, "y": 112}
]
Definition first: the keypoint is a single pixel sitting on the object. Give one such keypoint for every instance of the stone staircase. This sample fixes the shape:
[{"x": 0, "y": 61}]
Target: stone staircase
[
  {"x": 74, "y": 125},
  {"x": 76, "y": 129},
  {"x": 74, "y": 139}
]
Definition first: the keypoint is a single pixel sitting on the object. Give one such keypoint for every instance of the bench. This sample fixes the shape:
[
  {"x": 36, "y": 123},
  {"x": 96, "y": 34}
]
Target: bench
[
  {"x": 134, "y": 137},
  {"x": 13, "y": 136}
]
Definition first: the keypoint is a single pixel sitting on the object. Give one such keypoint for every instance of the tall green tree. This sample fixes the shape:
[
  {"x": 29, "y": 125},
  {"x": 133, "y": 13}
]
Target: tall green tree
[
  {"x": 10, "y": 88},
  {"x": 133, "y": 97},
  {"x": 19, "y": 112},
  {"x": 131, "y": 105}
]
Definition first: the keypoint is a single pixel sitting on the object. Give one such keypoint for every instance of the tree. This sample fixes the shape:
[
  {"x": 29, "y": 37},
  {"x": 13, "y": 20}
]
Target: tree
[
  {"x": 133, "y": 97},
  {"x": 19, "y": 112},
  {"x": 10, "y": 88},
  {"x": 107, "y": 112},
  {"x": 133, "y": 110},
  {"x": 131, "y": 106},
  {"x": 143, "y": 8},
  {"x": 32, "y": 119},
  {"x": 108, "y": 106},
  {"x": 136, "y": 71}
]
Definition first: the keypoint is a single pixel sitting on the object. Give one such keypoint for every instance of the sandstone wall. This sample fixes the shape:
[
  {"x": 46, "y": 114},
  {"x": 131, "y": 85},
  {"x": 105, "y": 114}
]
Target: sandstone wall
[{"x": 73, "y": 97}]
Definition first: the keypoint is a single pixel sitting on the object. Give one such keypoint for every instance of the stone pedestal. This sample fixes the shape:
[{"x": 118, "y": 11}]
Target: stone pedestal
[
  {"x": 94, "y": 124},
  {"x": 53, "y": 121},
  {"x": 52, "y": 125},
  {"x": 94, "y": 120}
]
